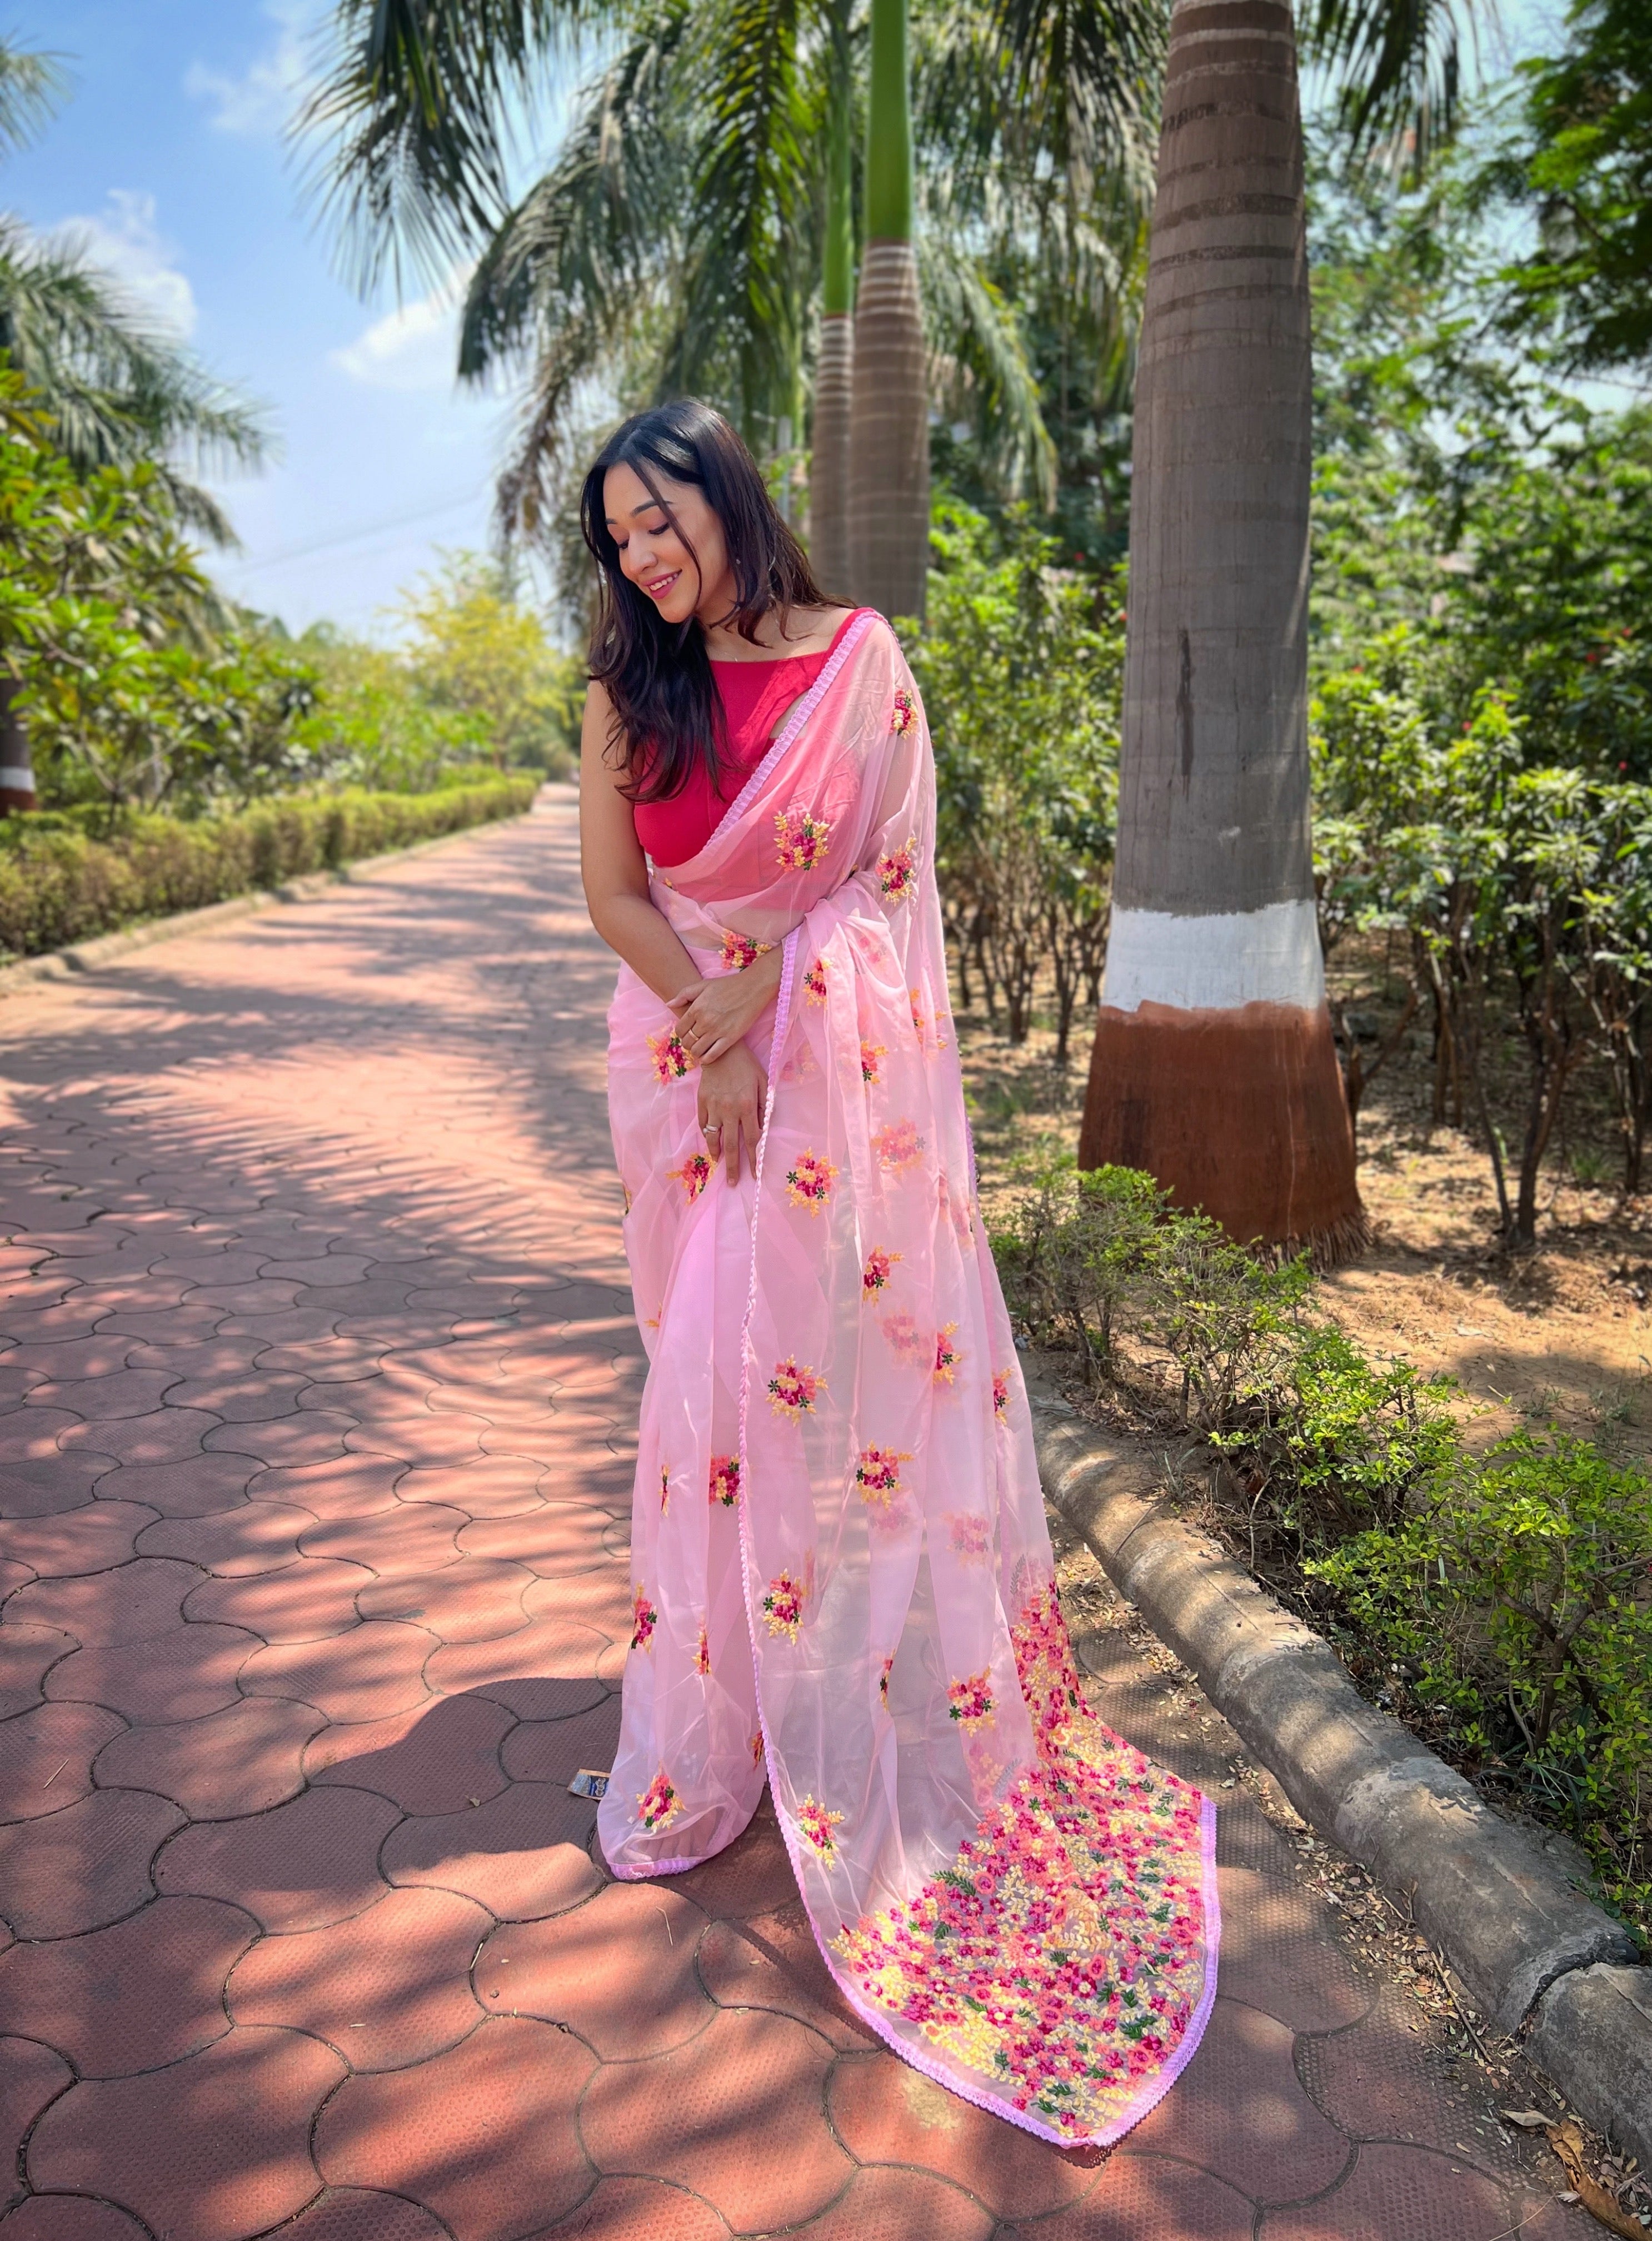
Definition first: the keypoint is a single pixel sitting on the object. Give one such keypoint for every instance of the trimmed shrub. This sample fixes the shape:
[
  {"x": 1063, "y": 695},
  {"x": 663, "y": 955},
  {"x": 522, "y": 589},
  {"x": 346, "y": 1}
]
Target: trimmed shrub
[{"x": 60, "y": 885}]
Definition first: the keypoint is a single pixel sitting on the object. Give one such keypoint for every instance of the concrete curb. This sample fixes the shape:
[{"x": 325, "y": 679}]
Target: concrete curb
[
  {"x": 101, "y": 948},
  {"x": 1497, "y": 1901}
]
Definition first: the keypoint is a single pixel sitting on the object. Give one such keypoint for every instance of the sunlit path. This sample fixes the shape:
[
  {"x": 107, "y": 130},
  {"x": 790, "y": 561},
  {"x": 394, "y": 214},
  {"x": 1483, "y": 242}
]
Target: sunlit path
[{"x": 317, "y": 1382}]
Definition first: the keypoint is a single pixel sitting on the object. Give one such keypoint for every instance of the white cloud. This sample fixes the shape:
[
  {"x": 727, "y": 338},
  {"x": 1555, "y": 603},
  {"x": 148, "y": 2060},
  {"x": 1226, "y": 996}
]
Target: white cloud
[
  {"x": 414, "y": 347},
  {"x": 126, "y": 242},
  {"x": 262, "y": 99}
]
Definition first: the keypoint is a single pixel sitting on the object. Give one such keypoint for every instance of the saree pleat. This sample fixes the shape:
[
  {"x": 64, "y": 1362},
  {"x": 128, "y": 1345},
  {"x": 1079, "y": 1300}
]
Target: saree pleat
[{"x": 843, "y": 1579}]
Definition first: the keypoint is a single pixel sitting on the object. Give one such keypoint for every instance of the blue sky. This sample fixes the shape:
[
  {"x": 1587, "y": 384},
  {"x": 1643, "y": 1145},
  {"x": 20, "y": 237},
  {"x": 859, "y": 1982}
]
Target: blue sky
[{"x": 169, "y": 156}]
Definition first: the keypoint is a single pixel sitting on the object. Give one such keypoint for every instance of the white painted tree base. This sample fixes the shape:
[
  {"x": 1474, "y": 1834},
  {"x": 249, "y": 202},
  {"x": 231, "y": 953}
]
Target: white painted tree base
[{"x": 1216, "y": 962}]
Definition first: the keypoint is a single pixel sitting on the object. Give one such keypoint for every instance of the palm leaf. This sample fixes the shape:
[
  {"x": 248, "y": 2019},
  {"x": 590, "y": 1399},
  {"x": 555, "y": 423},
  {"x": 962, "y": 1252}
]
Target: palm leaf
[{"x": 30, "y": 87}]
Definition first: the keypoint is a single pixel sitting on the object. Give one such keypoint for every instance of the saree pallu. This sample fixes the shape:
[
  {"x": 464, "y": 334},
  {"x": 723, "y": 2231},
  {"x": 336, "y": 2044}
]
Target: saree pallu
[{"x": 842, "y": 1574}]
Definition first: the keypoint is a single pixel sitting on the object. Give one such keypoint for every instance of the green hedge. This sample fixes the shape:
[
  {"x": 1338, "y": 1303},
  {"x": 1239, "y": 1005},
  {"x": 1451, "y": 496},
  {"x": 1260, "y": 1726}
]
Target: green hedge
[{"x": 58, "y": 885}]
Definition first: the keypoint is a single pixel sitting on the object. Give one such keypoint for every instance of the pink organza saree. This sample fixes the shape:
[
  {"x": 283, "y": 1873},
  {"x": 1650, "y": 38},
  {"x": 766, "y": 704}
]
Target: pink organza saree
[{"x": 842, "y": 1574}]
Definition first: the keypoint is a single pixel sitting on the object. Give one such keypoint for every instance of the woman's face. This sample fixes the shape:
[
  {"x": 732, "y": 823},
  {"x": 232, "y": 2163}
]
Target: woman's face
[{"x": 654, "y": 540}]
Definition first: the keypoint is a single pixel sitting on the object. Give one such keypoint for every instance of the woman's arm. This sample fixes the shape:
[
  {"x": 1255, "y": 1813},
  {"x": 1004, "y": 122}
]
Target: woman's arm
[
  {"x": 733, "y": 1086},
  {"x": 614, "y": 869}
]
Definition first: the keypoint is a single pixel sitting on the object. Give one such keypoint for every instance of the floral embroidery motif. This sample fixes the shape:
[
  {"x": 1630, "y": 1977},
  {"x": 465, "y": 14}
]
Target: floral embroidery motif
[
  {"x": 870, "y": 1054},
  {"x": 644, "y": 1618},
  {"x": 814, "y": 982},
  {"x": 897, "y": 1146},
  {"x": 810, "y": 1182},
  {"x": 883, "y": 1678},
  {"x": 695, "y": 1173},
  {"x": 921, "y": 1026},
  {"x": 703, "y": 1655},
  {"x": 664, "y": 1488},
  {"x": 740, "y": 950},
  {"x": 877, "y": 1473},
  {"x": 660, "y": 1803},
  {"x": 793, "y": 1390},
  {"x": 947, "y": 1356},
  {"x": 970, "y": 1700},
  {"x": 875, "y": 1274},
  {"x": 817, "y": 1824},
  {"x": 903, "y": 1335},
  {"x": 803, "y": 839},
  {"x": 971, "y": 1535},
  {"x": 895, "y": 874},
  {"x": 783, "y": 1606},
  {"x": 725, "y": 1480},
  {"x": 670, "y": 1059},
  {"x": 757, "y": 1749},
  {"x": 906, "y": 712},
  {"x": 1063, "y": 1946},
  {"x": 1000, "y": 1391}
]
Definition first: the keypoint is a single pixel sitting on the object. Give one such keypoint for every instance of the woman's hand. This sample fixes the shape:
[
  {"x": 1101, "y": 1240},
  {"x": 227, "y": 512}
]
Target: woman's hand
[
  {"x": 713, "y": 1015},
  {"x": 732, "y": 1090}
]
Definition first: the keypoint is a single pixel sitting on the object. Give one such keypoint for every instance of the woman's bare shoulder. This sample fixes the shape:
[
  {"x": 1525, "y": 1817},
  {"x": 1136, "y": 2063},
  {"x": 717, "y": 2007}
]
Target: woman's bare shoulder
[{"x": 812, "y": 630}]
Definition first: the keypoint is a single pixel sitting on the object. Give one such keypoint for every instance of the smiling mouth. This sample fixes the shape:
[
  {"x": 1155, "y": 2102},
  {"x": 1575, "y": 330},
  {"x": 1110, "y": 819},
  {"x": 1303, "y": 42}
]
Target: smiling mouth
[{"x": 657, "y": 586}]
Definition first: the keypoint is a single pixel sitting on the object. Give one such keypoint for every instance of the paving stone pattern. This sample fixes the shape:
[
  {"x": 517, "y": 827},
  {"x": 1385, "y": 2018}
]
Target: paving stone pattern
[{"x": 319, "y": 1384}]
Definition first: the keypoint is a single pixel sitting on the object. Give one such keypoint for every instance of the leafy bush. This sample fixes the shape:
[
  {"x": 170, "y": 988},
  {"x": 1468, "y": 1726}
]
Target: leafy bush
[
  {"x": 1350, "y": 1443},
  {"x": 1087, "y": 1256},
  {"x": 1517, "y": 1606},
  {"x": 1509, "y": 1600},
  {"x": 58, "y": 884},
  {"x": 1021, "y": 664}
]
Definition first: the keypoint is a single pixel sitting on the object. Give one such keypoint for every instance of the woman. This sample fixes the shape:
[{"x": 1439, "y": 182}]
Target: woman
[{"x": 842, "y": 1574}]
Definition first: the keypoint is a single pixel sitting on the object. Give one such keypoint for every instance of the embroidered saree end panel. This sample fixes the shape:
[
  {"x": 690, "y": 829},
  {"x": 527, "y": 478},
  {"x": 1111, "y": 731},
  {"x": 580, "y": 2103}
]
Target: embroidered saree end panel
[{"x": 843, "y": 1579}]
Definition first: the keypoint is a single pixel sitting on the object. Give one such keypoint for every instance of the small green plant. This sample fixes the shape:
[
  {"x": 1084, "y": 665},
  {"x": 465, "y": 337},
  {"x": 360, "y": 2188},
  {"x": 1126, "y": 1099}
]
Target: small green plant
[
  {"x": 1519, "y": 1606},
  {"x": 1352, "y": 1443},
  {"x": 1075, "y": 1248}
]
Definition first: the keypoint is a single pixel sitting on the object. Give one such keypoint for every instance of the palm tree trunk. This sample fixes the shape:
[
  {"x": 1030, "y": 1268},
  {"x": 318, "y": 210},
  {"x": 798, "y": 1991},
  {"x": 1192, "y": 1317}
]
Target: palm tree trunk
[
  {"x": 1214, "y": 1067},
  {"x": 889, "y": 426},
  {"x": 16, "y": 769},
  {"x": 834, "y": 373}
]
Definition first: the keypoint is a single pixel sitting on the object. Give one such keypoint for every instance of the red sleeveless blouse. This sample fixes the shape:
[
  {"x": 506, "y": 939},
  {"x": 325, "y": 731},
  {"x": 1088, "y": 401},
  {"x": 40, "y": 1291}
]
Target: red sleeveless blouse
[{"x": 755, "y": 695}]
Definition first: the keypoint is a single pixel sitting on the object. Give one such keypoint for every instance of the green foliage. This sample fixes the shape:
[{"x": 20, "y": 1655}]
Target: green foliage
[
  {"x": 133, "y": 686},
  {"x": 1021, "y": 666},
  {"x": 476, "y": 654},
  {"x": 1517, "y": 1603},
  {"x": 1580, "y": 157},
  {"x": 1517, "y": 890},
  {"x": 1507, "y": 1601},
  {"x": 1087, "y": 1257},
  {"x": 1352, "y": 1442},
  {"x": 59, "y": 884},
  {"x": 1468, "y": 493}
]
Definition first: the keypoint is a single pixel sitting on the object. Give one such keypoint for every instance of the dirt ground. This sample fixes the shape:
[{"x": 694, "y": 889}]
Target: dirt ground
[{"x": 1560, "y": 1337}]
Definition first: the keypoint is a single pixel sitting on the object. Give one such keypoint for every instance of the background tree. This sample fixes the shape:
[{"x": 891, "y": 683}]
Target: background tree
[
  {"x": 889, "y": 413},
  {"x": 1215, "y": 1066},
  {"x": 678, "y": 239},
  {"x": 108, "y": 388},
  {"x": 1579, "y": 159}
]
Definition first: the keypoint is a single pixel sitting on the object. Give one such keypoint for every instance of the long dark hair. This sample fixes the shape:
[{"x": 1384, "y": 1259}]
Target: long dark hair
[{"x": 659, "y": 674}]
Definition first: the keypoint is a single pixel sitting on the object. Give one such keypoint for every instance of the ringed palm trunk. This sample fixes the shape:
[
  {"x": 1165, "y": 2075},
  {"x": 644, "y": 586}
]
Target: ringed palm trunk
[
  {"x": 1213, "y": 1065},
  {"x": 889, "y": 424},
  {"x": 829, "y": 453}
]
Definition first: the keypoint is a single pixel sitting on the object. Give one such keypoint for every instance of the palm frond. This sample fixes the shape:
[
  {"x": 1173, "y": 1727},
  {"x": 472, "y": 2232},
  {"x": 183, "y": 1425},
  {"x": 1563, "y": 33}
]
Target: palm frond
[
  {"x": 409, "y": 120},
  {"x": 1398, "y": 64},
  {"x": 979, "y": 366},
  {"x": 31, "y": 86},
  {"x": 603, "y": 216},
  {"x": 110, "y": 386},
  {"x": 756, "y": 204}
]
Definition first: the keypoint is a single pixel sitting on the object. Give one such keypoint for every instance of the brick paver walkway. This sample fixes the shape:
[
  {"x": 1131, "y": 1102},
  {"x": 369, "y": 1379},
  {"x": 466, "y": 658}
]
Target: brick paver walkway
[{"x": 319, "y": 1386}]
